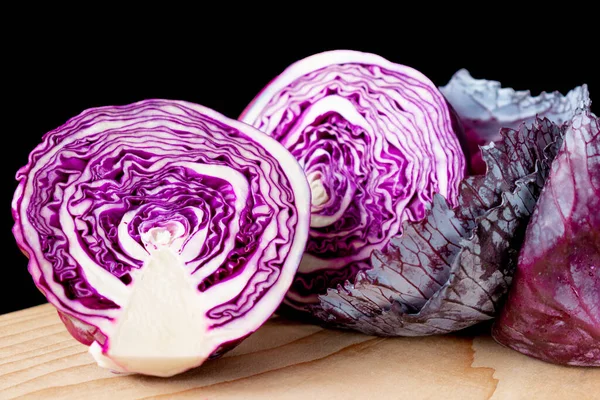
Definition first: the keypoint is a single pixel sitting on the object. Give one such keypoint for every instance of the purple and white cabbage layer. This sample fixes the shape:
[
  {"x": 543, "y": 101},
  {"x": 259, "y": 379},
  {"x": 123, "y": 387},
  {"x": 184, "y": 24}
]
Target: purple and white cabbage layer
[
  {"x": 485, "y": 107},
  {"x": 162, "y": 231},
  {"x": 376, "y": 139}
]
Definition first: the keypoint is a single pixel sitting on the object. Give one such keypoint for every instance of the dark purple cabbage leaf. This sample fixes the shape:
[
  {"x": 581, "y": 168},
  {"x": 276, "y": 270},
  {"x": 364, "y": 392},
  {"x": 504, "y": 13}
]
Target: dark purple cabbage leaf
[
  {"x": 553, "y": 308},
  {"x": 452, "y": 269}
]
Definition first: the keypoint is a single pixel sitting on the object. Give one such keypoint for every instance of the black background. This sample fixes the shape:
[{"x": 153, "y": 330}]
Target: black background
[{"x": 51, "y": 79}]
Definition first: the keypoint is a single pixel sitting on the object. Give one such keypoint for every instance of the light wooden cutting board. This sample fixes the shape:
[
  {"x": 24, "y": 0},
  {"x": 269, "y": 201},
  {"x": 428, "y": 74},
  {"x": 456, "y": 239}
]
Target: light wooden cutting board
[{"x": 288, "y": 360}]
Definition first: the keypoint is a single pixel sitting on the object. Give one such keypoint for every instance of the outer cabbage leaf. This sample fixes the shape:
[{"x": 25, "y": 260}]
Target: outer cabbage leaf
[
  {"x": 376, "y": 139},
  {"x": 553, "y": 308},
  {"x": 162, "y": 231},
  {"x": 484, "y": 107},
  {"x": 452, "y": 269}
]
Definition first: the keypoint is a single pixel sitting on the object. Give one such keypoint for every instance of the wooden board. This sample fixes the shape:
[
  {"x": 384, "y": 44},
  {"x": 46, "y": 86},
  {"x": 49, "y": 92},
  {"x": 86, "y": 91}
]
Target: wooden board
[{"x": 288, "y": 360}]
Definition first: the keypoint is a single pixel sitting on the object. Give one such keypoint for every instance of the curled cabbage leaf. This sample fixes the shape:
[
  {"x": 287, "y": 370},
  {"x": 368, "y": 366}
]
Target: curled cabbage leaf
[
  {"x": 485, "y": 107},
  {"x": 553, "y": 307},
  {"x": 162, "y": 231},
  {"x": 453, "y": 269},
  {"x": 377, "y": 141}
]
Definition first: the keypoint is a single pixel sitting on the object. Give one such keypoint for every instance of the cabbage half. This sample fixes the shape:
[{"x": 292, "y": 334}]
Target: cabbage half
[
  {"x": 162, "y": 231},
  {"x": 377, "y": 141}
]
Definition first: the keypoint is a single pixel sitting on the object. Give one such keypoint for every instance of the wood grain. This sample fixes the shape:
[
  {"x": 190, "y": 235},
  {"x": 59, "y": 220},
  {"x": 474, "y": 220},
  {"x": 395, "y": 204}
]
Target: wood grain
[{"x": 284, "y": 359}]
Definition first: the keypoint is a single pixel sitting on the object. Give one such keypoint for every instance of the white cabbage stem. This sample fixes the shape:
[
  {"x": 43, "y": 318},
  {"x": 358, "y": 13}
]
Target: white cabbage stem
[
  {"x": 162, "y": 330},
  {"x": 319, "y": 195}
]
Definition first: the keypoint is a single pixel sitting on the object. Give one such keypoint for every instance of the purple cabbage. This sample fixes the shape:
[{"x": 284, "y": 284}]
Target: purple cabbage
[
  {"x": 377, "y": 141},
  {"x": 485, "y": 107},
  {"x": 553, "y": 308},
  {"x": 162, "y": 231}
]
